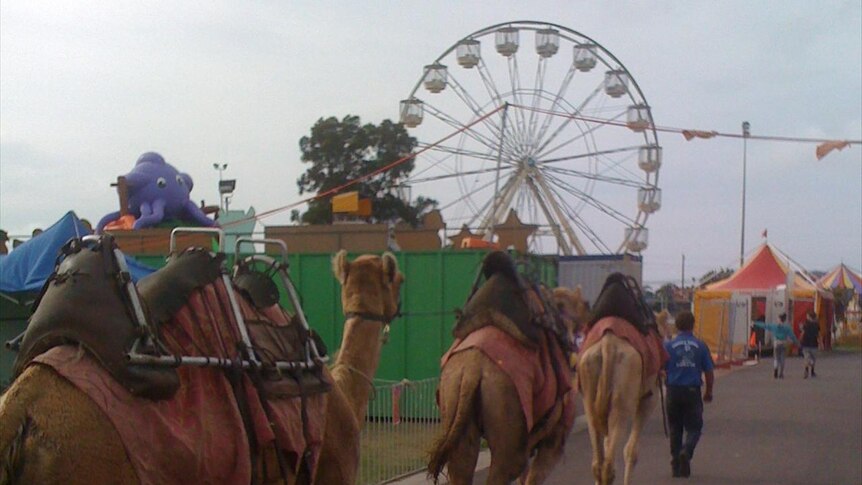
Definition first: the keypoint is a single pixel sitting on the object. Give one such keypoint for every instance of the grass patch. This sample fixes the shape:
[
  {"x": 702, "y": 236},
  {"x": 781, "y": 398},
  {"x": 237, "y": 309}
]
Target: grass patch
[
  {"x": 849, "y": 342},
  {"x": 392, "y": 450}
]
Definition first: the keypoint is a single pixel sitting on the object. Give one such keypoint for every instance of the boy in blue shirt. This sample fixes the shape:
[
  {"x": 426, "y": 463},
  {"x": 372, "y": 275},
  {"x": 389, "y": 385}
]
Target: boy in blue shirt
[
  {"x": 689, "y": 358},
  {"x": 782, "y": 337}
]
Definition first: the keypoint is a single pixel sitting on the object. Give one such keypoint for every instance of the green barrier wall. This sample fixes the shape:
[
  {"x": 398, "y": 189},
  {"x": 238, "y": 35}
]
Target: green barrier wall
[{"x": 436, "y": 283}]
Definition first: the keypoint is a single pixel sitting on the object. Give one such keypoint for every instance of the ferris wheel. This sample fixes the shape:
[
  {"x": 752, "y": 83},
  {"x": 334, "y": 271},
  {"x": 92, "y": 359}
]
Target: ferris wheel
[{"x": 540, "y": 119}]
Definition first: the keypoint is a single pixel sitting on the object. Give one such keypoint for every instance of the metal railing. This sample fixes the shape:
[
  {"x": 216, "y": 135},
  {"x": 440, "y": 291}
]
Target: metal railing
[{"x": 400, "y": 425}]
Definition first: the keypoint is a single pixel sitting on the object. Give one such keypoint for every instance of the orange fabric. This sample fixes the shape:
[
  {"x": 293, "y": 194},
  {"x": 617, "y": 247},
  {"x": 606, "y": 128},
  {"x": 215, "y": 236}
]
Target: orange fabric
[
  {"x": 649, "y": 346},
  {"x": 124, "y": 223},
  {"x": 827, "y": 147},
  {"x": 198, "y": 435},
  {"x": 689, "y": 134},
  {"x": 539, "y": 381}
]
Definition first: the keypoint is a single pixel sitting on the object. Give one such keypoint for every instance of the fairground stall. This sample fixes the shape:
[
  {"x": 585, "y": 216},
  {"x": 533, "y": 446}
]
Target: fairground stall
[{"x": 768, "y": 284}]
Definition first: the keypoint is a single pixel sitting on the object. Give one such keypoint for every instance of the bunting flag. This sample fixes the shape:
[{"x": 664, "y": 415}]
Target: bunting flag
[
  {"x": 689, "y": 134},
  {"x": 825, "y": 148}
]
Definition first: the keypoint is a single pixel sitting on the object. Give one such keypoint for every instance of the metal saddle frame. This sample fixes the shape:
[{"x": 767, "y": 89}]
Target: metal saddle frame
[{"x": 251, "y": 360}]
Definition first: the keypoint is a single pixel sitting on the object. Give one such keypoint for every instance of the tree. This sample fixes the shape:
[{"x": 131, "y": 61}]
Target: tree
[
  {"x": 342, "y": 151},
  {"x": 714, "y": 275}
]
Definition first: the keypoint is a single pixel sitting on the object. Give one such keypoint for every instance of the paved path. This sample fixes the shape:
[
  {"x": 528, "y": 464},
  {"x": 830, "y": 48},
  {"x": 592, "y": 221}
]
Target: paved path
[{"x": 758, "y": 430}]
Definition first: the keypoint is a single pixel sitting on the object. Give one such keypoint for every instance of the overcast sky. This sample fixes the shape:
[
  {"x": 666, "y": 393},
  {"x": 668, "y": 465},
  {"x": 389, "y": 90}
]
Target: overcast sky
[{"x": 86, "y": 87}]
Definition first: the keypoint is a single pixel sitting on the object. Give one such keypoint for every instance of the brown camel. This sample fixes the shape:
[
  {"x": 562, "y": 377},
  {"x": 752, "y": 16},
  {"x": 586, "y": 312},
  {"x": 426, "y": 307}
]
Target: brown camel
[
  {"x": 618, "y": 380},
  {"x": 370, "y": 289},
  {"x": 478, "y": 398},
  {"x": 51, "y": 432}
]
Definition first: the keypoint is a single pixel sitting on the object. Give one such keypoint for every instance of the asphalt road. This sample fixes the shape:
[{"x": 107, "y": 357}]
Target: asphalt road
[{"x": 758, "y": 430}]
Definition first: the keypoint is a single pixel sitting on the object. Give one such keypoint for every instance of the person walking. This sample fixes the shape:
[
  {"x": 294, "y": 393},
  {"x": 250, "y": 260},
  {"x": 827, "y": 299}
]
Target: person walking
[
  {"x": 759, "y": 335},
  {"x": 782, "y": 336},
  {"x": 689, "y": 358},
  {"x": 810, "y": 332}
]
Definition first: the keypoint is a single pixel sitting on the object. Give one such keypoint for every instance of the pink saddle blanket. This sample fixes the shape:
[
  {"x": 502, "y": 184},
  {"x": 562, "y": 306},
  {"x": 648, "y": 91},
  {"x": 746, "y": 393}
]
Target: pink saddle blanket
[
  {"x": 197, "y": 436},
  {"x": 649, "y": 346},
  {"x": 539, "y": 381}
]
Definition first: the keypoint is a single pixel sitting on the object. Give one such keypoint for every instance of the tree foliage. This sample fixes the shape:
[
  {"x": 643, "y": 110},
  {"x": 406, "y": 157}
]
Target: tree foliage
[
  {"x": 714, "y": 275},
  {"x": 342, "y": 151}
]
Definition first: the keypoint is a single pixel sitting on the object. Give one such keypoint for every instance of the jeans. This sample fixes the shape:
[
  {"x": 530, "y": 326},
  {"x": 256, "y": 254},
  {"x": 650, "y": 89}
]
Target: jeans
[
  {"x": 810, "y": 356},
  {"x": 684, "y": 417},
  {"x": 780, "y": 352}
]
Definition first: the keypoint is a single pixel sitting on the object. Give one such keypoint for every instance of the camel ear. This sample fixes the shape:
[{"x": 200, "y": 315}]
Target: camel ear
[
  {"x": 340, "y": 266},
  {"x": 390, "y": 266}
]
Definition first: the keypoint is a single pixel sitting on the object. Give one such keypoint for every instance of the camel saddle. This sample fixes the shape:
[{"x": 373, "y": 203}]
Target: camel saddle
[
  {"x": 274, "y": 335},
  {"x": 509, "y": 303},
  {"x": 84, "y": 303}
]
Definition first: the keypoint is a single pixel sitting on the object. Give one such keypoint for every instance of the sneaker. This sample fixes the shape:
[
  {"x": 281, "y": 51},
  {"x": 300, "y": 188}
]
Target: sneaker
[
  {"x": 813, "y": 374},
  {"x": 684, "y": 465}
]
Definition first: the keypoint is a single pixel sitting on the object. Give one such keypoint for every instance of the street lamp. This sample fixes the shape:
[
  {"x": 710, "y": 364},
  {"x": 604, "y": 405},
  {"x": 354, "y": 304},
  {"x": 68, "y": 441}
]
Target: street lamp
[
  {"x": 746, "y": 126},
  {"x": 221, "y": 168}
]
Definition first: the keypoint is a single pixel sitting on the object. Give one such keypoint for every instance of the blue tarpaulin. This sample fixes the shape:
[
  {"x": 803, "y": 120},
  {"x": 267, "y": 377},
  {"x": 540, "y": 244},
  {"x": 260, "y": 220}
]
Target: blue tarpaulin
[{"x": 27, "y": 267}]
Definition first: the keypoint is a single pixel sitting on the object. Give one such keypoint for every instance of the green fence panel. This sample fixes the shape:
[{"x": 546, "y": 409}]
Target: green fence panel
[{"x": 436, "y": 284}]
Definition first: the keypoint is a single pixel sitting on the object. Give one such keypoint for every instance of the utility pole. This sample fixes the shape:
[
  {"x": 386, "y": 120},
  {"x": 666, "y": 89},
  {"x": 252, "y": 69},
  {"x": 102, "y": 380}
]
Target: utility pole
[
  {"x": 746, "y": 126},
  {"x": 682, "y": 279},
  {"x": 221, "y": 199}
]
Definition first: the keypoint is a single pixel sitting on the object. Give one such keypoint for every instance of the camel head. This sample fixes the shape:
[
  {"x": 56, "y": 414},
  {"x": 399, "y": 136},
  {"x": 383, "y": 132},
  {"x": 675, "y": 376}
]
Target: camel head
[
  {"x": 370, "y": 284},
  {"x": 573, "y": 309}
]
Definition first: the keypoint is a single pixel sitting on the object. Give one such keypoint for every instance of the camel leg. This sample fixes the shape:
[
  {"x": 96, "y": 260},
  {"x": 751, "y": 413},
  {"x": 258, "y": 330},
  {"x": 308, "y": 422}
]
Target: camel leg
[
  {"x": 630, "y": 452},
  {"x": 462, "y": 460},
  {"x": 590, "y": 366},
  {"x": 624, "y": 404},
  {"x": 547, "y": 455},
  {"x": 616, "y": 427},
  {"x": 597, "y": 441},
  {"x": 505, "y": 428}
]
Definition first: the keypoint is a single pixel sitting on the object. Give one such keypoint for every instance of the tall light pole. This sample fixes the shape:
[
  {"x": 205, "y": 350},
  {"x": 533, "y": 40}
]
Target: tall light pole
[
  {"x": 221, "y": 168},
  {"x": 746, "y": 126}
]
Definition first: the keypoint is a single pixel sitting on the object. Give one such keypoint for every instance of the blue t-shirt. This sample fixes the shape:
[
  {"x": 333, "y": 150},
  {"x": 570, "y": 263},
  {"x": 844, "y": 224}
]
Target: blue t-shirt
[{"x": 689, "y": 357}]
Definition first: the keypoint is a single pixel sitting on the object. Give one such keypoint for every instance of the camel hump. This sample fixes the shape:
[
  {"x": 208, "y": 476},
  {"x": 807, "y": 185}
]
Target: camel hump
[
  {"x": 621, "y": 297},
  {"x": 500, "y": 262},
  {"x": 82, "y": 303}
]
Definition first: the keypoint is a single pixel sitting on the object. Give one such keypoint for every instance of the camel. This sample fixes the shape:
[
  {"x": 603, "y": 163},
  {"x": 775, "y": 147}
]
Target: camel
[
  {"x": 51, "y": 432},
  {"x": 618, "y": 378},
  {"x": 370, "y": 289},
  {"x": 477, "y": 398}
]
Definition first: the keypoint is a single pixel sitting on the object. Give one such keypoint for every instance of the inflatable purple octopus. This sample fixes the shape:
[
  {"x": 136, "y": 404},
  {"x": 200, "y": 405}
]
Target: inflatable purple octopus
[{"x": 157, "y": 192}]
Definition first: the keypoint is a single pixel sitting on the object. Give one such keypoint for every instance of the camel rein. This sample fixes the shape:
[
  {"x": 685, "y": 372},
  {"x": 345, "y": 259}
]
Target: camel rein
[
  {"x": 663, "y": 410},
  {"x": 361, "y": 374}
]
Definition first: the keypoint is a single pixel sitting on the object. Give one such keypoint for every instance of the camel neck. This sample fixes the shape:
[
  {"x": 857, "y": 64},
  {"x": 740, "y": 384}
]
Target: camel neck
[{"x": 357, "y": 362}]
